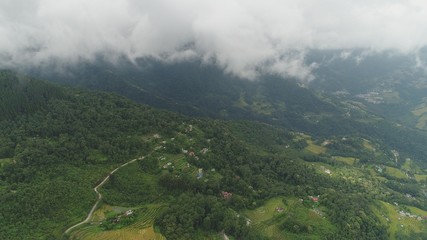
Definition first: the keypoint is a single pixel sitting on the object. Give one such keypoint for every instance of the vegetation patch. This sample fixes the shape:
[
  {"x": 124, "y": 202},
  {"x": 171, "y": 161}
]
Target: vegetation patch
[
  {"x": 124, "y": 233},
  {"x": 346, "y": 160},
  {"x": 135, "y": 223},
  {"x": 421, "y": 177},
  {"x": 420, "y": 110},
  {"x": 422, "y": 121},
  {"x": 367, "y": 144},
  {"x": 402, "y": 221},
  {"x": 312, "y": 147},
  {"x": 291, "y": 218},
  {"x": 5, "y": 161},
  {"x": 395, "y": 172}
]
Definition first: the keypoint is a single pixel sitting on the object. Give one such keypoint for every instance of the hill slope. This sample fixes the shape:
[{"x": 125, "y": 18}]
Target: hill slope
[{"x": 199, "y": 178}]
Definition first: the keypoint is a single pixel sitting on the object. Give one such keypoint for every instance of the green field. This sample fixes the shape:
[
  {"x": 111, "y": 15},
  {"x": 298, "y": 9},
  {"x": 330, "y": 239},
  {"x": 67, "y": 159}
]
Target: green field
[
  {"x": 422, "y": 121},
  {"x": 420, "y": 110},
  {"x": 241, "y": 103},
  {"x": 421, "y": 177},
  {"x": 346, "y": 160},
  {"x": 368, "y": 145},
  {"x": 314, "y": 148},
  {"x": 391, "y": 97},
  {"x": 270, "y": 222},
  {"x": 395, "y": 172},
  {"x": 267, "y": 211},
  {"x": 141, "y": 229},
  {"x": 397, "y": 224}
]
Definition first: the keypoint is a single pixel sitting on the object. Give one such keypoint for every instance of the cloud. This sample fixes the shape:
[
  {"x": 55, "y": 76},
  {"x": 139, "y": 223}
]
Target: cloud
[{"x": 244, "y": 37}]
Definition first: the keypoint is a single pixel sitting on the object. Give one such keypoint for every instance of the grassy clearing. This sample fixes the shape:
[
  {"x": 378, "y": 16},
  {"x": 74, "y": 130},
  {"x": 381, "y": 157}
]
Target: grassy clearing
[
  {"x": 241, "y": 103},
  {"x": 394, "y": 172},
  {"x": 262, "y": 107},
  {"x": 346, "y": 160},
  {"x": 178, "y": 161},
  {"x": 316, "y": 149},
  {"x": 5, "y": 161},
  {"x": 391, "y": 97},
  {"x": 407, "y": 165},
  {"x": 397, "y": 224},
  {"x": 269, "y": 221},
  {"x": 421, "y": 177},
  {"x": 125, "y": 234},
  {"x": 98, "y": 156},
  {"x": 417, "y": 211},
  {"x": 420, "y": 110},
  {"x": 99, "y": 214},
  {"x": 422, "y": 121},
  {"x": 421, "y": 113},
  {"x": 368, "y": 145},
  {"x": 267, "y": 211}
]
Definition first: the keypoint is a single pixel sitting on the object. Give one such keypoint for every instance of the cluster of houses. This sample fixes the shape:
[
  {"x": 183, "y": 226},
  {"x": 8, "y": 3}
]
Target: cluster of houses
[
  {"x": 379, "y": 168},
  {"x": 325, "y": 170},
  {"x": 371, "y": 97},
  {"x": 407, "y": 214},
  {"x": 168, "y": 165},
  {"x": 279, "y": 209},
  {"x": 118, "y": 218}
]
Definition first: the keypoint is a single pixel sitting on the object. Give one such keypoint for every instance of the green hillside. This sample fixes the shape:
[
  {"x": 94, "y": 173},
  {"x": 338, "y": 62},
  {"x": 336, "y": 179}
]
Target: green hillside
[{"x": 198, "y": 178}]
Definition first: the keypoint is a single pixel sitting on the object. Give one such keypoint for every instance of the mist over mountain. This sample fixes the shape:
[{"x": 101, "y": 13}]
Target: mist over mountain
[
  {"x": 244, "y": 38},
  {"x": 202, "y": 119}
]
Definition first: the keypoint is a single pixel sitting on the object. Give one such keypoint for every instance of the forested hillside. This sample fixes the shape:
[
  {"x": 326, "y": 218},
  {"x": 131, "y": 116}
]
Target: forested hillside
[
  {"x": 193, "y": 178},
  {"x": 203, "y": 90}
]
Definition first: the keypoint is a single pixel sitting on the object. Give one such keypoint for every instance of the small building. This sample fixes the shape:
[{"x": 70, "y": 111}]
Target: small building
[
  {"x": 314, "y": 199},
  {"x": 226, "y": 195},
  {"x": 128, "y": 212}
]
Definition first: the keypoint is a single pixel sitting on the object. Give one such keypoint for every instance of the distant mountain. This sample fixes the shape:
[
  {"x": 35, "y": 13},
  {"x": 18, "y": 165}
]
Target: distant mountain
[
  {"x": 341, "y": 101},
  {"x": 390, "y": 84}
]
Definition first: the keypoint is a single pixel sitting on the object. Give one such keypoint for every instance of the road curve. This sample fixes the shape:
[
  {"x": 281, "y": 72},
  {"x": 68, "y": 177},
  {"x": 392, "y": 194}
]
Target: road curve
[{"x": 89, "y": 216}]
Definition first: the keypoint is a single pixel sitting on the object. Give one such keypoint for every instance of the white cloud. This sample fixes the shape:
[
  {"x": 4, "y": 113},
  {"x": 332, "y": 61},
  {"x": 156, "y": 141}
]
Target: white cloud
[{"x": 245, "y": 37}]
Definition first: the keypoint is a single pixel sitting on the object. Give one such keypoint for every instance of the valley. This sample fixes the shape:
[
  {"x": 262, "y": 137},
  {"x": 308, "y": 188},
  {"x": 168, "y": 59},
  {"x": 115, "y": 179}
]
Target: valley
[
  {"x": 213, "y": 120},
  {"x": 292, "y": 171}
]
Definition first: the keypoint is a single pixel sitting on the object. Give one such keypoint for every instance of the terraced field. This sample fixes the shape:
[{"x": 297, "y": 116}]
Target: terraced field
[
  {"x": 399, "y": 224},
  {"x": 121, "y": 234},
  {"x": 141, "y": 229}
]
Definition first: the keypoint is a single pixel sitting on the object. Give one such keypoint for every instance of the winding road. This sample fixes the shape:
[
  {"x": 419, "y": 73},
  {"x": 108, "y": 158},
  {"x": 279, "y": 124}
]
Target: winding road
[{"x": 89, "y": 216}]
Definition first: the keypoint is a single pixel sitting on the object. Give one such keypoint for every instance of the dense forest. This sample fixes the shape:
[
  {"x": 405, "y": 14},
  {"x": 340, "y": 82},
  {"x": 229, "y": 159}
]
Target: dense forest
[{"x": 195, "y": 178}]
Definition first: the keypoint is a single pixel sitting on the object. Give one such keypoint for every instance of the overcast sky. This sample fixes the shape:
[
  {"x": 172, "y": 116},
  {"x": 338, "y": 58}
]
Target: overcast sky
[{"x": 245, "y": 37}]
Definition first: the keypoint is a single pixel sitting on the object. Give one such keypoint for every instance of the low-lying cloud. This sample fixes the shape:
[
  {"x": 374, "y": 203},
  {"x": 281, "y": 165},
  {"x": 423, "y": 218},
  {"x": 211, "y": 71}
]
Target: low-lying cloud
[{"x": 244, "y": 37}]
